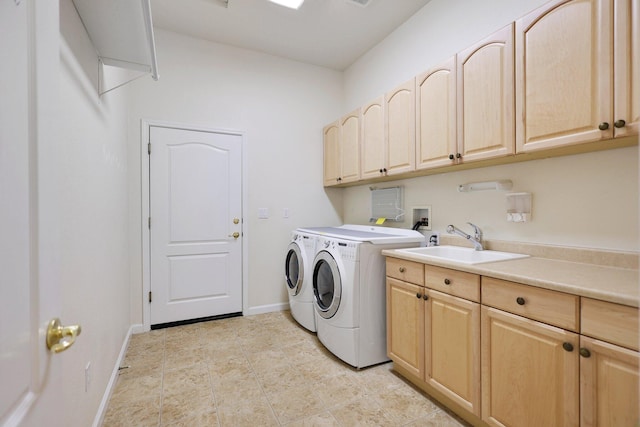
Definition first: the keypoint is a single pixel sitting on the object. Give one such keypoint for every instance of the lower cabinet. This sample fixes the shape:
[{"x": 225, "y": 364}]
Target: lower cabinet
[
  {"x": 511, "y": 355},
  {"x": 452, "y": 348},
  {"x": 609, "y": 377},
  {"x": 530, "y": 372},
  {"x": 435, "y": 336},
  {"x": 405, "y": 325},
  {"x": 608, "y": 384}
]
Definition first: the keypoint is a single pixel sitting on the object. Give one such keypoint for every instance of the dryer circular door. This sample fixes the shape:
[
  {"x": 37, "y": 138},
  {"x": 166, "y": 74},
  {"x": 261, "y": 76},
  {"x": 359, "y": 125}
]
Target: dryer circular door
[
  {"x": 294, "y": 269},
  {"x": 327, "y": 285}
]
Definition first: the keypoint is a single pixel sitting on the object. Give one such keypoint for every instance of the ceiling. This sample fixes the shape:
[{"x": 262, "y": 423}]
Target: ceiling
[{"x": 329, "y": 33}]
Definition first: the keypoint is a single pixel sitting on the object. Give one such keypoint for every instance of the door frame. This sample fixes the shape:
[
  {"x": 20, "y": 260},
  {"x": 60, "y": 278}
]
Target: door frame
[{"x": 145, "y": 124}]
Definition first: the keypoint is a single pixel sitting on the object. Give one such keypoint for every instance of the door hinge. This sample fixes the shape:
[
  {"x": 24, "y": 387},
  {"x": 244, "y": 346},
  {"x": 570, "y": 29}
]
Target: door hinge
[
  {"x": 149, "y": 296},
  {"x": 149, "y": 148},
  {"x": 149, "y": 222}
]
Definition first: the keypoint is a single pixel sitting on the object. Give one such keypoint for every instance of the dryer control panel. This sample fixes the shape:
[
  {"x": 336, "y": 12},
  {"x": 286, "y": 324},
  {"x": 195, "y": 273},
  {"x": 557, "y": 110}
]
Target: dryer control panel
[{"x": 348, "y": 250}]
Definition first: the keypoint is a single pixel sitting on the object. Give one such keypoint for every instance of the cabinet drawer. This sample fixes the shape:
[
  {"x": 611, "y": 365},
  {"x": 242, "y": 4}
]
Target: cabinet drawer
[
  {"x": 614, "y": 323},
  {"x": 453, "y": 282},
  {"x": 552, "y": 307},
  {"x": 408, "y": 271}
]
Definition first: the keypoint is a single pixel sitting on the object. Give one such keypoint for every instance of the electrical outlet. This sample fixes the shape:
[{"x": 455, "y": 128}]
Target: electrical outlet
[{"x": 87, "y": 377}]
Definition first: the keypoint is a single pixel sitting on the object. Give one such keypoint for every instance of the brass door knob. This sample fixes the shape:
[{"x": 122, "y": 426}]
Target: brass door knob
[
  {"x": 236, "y": 220},
  {"x": 60, "y": 338},
  {"x": 235, "y": 235}
]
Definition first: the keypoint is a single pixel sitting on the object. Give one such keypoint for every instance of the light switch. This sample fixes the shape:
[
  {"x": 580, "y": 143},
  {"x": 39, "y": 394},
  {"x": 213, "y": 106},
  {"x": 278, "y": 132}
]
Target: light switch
[
  {"x": 285, "y": 213},
  {"x": 263, "y": 213}
]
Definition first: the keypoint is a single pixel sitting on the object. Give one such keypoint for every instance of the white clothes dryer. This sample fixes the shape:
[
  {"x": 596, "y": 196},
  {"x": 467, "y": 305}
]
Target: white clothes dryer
[
  {"x": 350, "y": 292},
  {"x": 297, "y": 275}
]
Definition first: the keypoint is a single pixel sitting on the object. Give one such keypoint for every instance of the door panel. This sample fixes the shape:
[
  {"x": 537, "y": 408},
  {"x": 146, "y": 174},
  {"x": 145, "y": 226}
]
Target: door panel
[
  {"x": 626, "y": 66},
  {"x": 372, "y": 145},
  {"x": 485, "y": 97},
  {"x": 195, "y": 192},
  {"x": 14, "y": 208},
  {"x": 452, "y": 350},
  {"x": 195, "y": 212},
  {"x": 436, "y": 116},
  {"x": 608, "y": 384},
  {"x": 400, "y": 129},
  {"x": 513, "y": 392},
  {"x": 31, "y": 376},
  {"x": 563, "y": 74}
]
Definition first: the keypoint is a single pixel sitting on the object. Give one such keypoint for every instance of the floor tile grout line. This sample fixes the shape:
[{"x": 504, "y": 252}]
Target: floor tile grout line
[
  {"x": 243, "y": 332},
  {"x": 273, "y": 412}
]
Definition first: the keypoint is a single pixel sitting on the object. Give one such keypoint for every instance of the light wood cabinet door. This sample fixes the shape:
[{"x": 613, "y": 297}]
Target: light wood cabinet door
[
  {"x": 485, "y": 98},
  {"x": 350, "y": 147},
  {"x": 331, "y": 141},
  {"x": 372, "y": 142},
  {"x": 564, "y": 74},
  {"x": 436, "y": 116},
  {"x": 452, "y": 348},
  {"x": 608, "y": 385},
  {"x": 405, "y": 325},
  {"x": 400, "y": 119},
  {"x": 626, "y": 45},
  {"x": 529, "y": 372}
]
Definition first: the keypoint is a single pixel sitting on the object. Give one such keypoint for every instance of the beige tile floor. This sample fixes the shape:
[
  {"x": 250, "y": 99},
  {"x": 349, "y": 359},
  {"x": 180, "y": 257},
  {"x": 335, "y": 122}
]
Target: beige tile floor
[{"x": 262, "y": 370}]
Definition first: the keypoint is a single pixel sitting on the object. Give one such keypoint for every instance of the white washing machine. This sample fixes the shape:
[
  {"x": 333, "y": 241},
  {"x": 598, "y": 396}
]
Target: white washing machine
[
  {"x": 297, "y": 276},
  {"x": 348, "y": 278}
]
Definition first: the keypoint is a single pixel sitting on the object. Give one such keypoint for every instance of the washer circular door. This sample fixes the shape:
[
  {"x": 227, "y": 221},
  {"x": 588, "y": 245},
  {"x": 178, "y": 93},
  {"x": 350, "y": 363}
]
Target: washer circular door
[
  {"x": 327, "y": 285},
  {"x": 294, "y": 269}
]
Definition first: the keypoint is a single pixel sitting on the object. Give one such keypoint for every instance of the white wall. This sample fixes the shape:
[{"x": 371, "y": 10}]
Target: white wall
[
  {"x": 281, "y": 106},
  {"x": 587, "y": 200},
  {"x": 436, "y": 32},
  {"x": 84, "y": 176}
]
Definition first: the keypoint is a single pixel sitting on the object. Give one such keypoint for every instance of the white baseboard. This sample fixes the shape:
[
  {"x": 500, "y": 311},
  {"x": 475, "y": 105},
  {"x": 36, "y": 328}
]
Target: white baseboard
[
  {"x": 261, "y": 309},
  {"x": 102, "y": 409},
  {"x": 139, "y": 328}
]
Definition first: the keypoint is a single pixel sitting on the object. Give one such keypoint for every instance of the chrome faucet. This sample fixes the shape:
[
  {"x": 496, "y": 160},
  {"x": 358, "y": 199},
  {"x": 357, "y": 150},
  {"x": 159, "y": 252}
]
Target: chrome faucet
[{"x": 476, "y": 239}]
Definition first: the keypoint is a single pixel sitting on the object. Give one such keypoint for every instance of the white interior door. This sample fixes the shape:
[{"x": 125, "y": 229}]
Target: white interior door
[
  {"x": 31, "y": 381},
  {"x": 195, "y": 207}
]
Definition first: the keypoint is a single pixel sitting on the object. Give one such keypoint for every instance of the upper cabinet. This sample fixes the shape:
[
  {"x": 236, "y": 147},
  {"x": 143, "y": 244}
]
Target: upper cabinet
[
  {"x": 485, "y": 98},
  {"x": 577, "y": 73},
  {"x": 372, "y": 146},
  {"x": 626, "y": 67},
  {"x": 350, "y": 146},
  {"x": 565, "y": 74},
  {"x": 332, "y": 159},
  {"x": 342, "y": 150},
  {"x": 388, "y": 133},
  {"x": 436, "y": 143},
  {"x": 399, "y": 109}
]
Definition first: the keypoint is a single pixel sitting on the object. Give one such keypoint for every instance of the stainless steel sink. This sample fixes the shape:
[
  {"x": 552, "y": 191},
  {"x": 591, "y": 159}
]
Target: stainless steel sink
[{"x": 461, "y": 254}]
